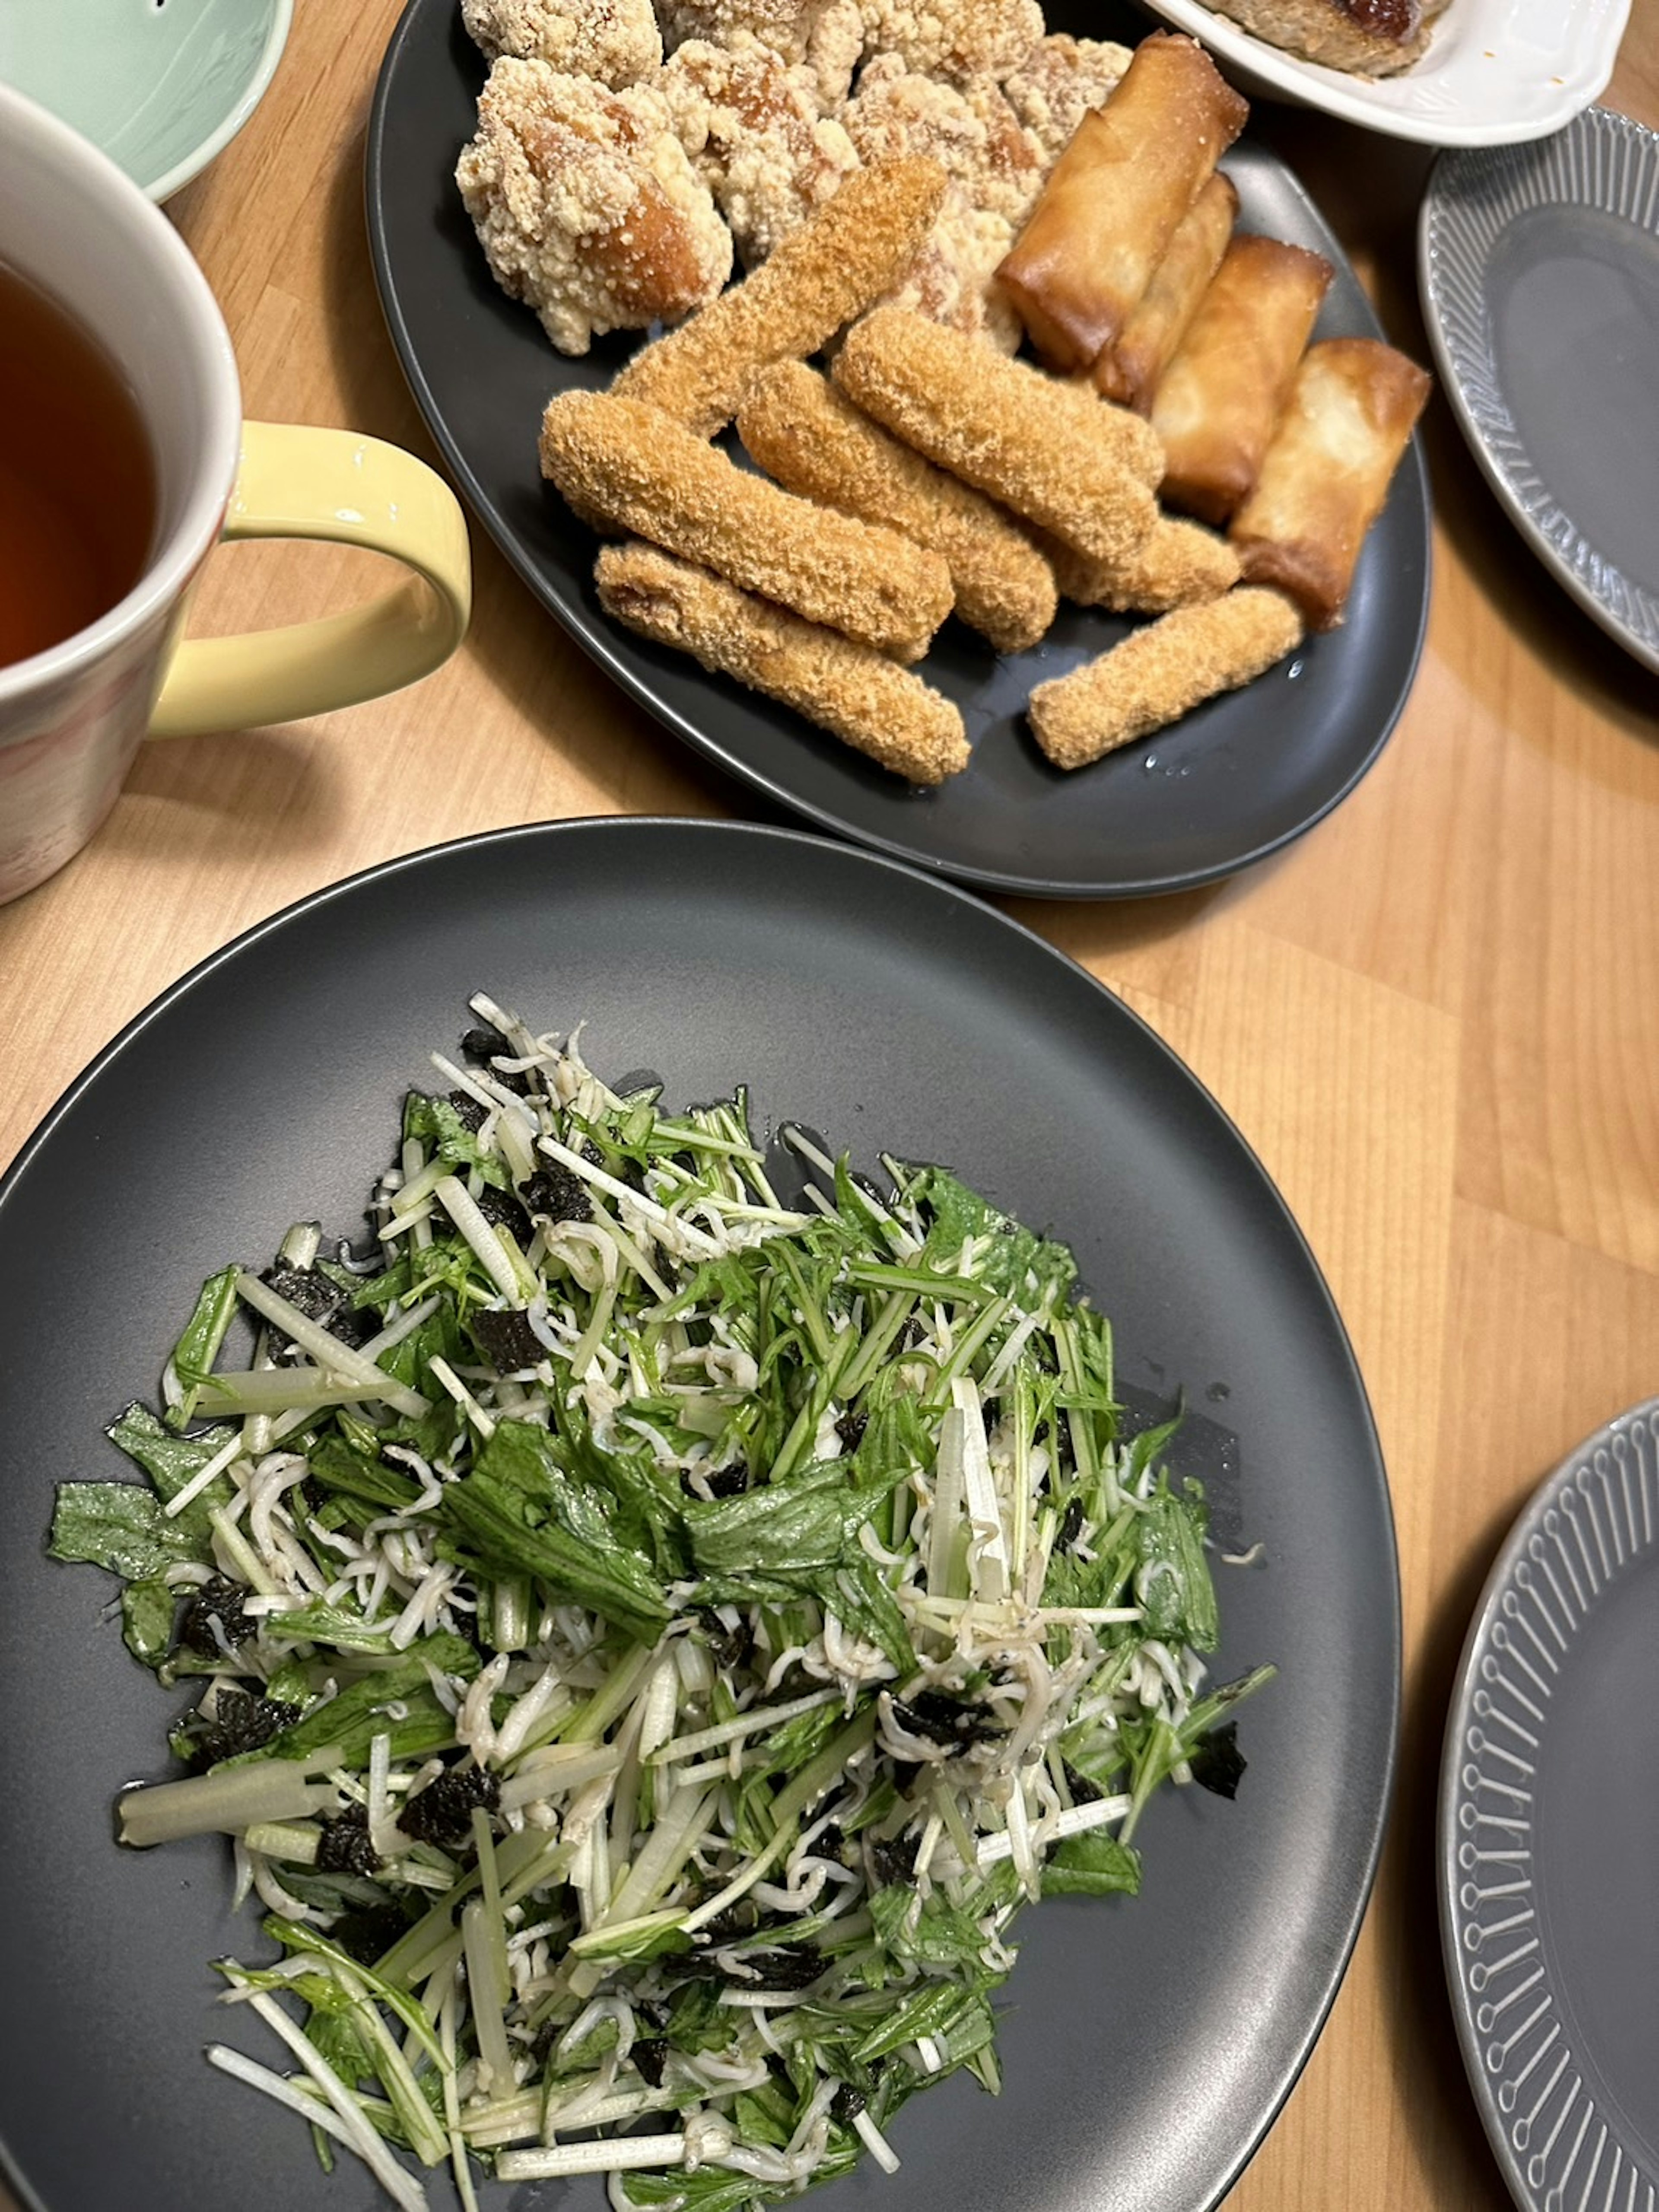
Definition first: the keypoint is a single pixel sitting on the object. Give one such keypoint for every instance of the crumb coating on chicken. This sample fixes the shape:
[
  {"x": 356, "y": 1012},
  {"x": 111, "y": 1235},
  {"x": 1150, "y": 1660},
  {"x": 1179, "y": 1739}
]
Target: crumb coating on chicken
[
  {"x": 586, "y": 205},
  {"x": 617, "y": 41}
]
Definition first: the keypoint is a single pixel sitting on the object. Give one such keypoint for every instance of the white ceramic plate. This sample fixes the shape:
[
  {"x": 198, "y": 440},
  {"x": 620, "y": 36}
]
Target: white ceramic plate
[
  {"x": 1540, "y": 274},
  {"x": 1497, "y": 71},
  {"x": 1548, "y": 1801}
]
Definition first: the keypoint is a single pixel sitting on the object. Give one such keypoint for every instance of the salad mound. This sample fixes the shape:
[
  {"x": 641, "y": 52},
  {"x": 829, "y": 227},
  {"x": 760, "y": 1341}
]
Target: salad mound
[{"x": 654, "y": 1637}]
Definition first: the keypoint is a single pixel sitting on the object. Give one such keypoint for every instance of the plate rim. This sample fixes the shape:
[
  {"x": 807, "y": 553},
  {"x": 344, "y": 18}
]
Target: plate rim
[
  {"x": 1439, "y": 209},
  {"x": 1331, "y": 1970},
  {"x": 1339, "y": 94},
  {"x": 598, "y": 640},
  {"x": 1452, "y": 1793}
]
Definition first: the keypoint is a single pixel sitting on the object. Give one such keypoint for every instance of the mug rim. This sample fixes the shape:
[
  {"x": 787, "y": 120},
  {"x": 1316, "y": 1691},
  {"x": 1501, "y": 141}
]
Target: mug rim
[{"x": 24, "y": 123}]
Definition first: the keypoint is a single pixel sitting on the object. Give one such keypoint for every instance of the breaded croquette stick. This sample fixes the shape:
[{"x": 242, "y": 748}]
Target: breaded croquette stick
[
  {"x": 1053, "y": 454},
  {"x": 1326, "y": 474},
  {"x": 1180, "y": 565},
  {"x": 637, "y": 471},
  {"x": 1106, "y": 216},
  {"x": 813, "y": 440},
  {"x": 1161, "y": 673},
  {"x": 851, "y": 252},
  {"x": 1221, "y": 397},
  {"x": 1129, "y": 369},
  {"x": 861, "y": 696}
]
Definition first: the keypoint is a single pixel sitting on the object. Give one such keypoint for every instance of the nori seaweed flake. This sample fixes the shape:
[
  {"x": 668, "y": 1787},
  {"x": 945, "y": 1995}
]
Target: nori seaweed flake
[
  {"x": 1084, "y": 1792},
  {"x": 556, "y": 1193},
  {"x": 650, "y": 2057},
  {"x": 483, "y": 1047},
  {"x": 850, "y": 1427},
  {"x": 220, "y": 1600},
  {"x": 502, "y": 1211},
  {"x": 1217, "y": 1762},
  {"x": 344, "y": 1847},
  {"x": 321, "y": 1301},
  {"x": 945, "y": 1720},
  {"x": 242, "y": 1723},
  {"x": 441, "y": 1814},
  {"x": 508, "y": 1339}
]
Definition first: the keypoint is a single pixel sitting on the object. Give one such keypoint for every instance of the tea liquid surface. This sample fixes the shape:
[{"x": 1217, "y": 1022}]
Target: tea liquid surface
[{"x": 77, "y": 481}]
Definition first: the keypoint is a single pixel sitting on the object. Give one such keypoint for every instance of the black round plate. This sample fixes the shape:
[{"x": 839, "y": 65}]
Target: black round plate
[
  {"x": 1148, "y": 2042},
  {"x": 1232, "y": 782}
]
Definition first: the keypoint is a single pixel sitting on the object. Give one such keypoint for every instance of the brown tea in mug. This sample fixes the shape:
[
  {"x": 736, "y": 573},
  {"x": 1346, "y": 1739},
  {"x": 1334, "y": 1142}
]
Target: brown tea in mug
[{"x": 77, "y": 481}]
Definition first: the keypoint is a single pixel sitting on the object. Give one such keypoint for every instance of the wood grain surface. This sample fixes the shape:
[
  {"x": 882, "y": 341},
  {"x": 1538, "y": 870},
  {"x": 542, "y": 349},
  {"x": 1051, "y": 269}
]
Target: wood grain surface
[{"x": 1435, "y": 1016}]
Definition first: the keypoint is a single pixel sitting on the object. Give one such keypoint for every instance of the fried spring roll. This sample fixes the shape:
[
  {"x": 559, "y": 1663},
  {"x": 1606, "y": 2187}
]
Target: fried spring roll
[
  {"x": 1129, "y": 369},
  {"x": 815, "y": 442},
  {"x": 1053, "y": 454},
  {"x": 1161, "y": 673},
  {"x": 1179, "y": 565},
  {"x": 1221, "y": 398},
  {"x": 642, "y": 473},
  {"x": 855, "y": 249},
  {"x": 1326, "y": 474},
  {"x": 1105, "y": 218},
  {"x": 861, "y": 696}
]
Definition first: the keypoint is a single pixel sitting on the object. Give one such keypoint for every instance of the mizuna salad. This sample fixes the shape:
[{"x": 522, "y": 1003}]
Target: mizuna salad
[{"x": 653, "y": 1637}]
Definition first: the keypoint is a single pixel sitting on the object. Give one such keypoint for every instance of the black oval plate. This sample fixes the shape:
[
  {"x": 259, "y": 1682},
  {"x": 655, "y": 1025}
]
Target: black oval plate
[
  {"x": 1147, "y": 2043},
  {"x": 1230, "y": 783}
]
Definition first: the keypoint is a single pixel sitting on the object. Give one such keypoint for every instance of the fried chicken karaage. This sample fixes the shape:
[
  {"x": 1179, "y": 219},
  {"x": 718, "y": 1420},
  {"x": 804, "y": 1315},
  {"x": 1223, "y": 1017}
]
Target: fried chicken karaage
[{"x": 587, "y": 205}]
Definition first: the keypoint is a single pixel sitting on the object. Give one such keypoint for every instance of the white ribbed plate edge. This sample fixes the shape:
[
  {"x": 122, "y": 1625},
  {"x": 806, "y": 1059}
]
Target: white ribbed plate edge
[{"x": 1564, "y": 2140}]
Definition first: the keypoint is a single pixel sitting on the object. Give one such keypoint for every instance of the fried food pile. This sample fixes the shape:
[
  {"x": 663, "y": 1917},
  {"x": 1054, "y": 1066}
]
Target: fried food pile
[
  {"x": 627, "y": 158},
  {"x": 908, "y": 466}
]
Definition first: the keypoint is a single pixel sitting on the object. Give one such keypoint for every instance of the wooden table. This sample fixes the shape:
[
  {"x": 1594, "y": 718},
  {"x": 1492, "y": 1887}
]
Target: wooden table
[{"x": 1435, "y": 1017}]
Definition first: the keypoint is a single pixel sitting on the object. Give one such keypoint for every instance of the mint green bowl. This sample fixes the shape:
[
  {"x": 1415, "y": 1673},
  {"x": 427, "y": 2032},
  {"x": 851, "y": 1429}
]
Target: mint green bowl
[{"x": 161, "y": 85}]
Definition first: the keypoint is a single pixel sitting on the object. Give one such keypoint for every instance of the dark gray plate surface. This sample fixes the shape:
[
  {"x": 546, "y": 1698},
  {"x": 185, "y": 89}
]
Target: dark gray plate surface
[
  {"x": 1235, "y": 781},
  {"x": 1549, "y": 1809},
  {"x": 1540, "y": 273},
  {"x": 1148, "y": 2042}
]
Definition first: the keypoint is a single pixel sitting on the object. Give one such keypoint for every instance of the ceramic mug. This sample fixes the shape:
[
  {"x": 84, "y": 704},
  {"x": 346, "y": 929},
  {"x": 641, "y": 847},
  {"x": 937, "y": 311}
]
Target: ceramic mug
[{"x": 72, "y": 718}]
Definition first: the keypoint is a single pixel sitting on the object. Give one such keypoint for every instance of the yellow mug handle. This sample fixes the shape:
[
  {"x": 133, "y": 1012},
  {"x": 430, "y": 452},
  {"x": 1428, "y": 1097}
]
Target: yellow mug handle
[{"x": 297, "y": 481}]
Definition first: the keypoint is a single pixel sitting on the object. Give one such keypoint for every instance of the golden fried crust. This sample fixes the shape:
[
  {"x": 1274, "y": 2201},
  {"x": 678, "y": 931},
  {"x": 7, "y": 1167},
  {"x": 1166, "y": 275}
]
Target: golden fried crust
[
  {"x": 587, "y": 206},
  {"x": 1178, "y": 566},
  {"x": 1114, "y": 198},
  {"x": 1326, "y": 474},
  {"x": 815, "y": 442},
  {"x": 614, "y": 40},
  {"x": 970, "y": 131},
  {"x": 882, "y": 710},
  {"x": 843, "y": 257},
  {"x": 1220, "y": 399},
  {"x": 639, "y": 471},
  {"x": 1130, "y": 369},
  {"x": 785, "y": 27},
  {"x": 1058, "y": 81},
  {"x": 1161, "y": 673},
  {"x": 1057, "y": 456},
  {"x": 954, "y": 38},
  {"x": 750, "y": 122}
]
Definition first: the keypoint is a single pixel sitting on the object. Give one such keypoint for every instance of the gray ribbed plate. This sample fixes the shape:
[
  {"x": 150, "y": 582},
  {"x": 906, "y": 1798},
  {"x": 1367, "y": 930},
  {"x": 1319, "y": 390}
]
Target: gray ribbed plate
[
  {"x": 1549, "y": 1812},
  {"x": 1540, "y": 273}
]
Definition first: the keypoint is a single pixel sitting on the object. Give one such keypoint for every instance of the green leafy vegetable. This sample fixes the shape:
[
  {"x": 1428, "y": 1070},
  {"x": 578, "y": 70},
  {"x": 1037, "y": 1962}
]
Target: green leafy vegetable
[{"x": 654, "y": 1712}]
